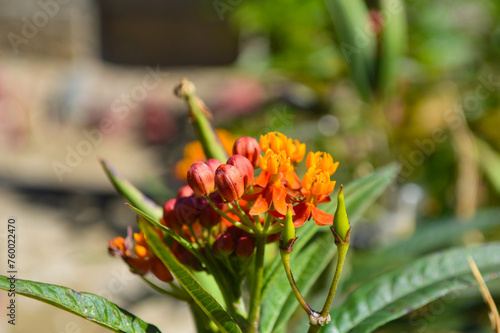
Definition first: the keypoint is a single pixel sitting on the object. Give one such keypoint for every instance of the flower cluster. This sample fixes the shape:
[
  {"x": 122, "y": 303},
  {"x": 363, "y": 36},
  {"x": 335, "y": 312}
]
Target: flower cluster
[{"x": 224, "y": 206}]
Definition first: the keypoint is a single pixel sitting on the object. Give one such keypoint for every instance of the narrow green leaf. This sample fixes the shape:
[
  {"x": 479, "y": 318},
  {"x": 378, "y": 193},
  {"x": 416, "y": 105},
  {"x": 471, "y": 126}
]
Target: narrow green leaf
[
  {"x": 131, "y": 193},
  {"x": 88, "y": 306},
  {"x": 208, "y": 281},
  {"x": 400, "y": 291},
  {"x": 309, "y": 259},
  {"x": 356, "y": 43},
  {"x": 490, "y": 162},
  {"x": 212, "y": 308},
  {"x": 393, "y": 40}
]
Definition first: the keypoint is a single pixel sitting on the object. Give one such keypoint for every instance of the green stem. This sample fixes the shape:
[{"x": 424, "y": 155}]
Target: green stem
[
  {"x": 255, "y": 293},
  {"x": 200, "y": 114},
  {"x": 267, "y": 222},
  {"x": 224, "y": 215},
  {"x": 244, "y": 218},
  {"x": 285, "y": 258},
  {"x": 341, "y": 254},
  {"x": 176, "y": 295}
]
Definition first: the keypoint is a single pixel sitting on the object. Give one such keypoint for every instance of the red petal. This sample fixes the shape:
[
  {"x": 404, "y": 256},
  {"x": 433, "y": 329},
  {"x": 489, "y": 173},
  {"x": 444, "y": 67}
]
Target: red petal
[
  {"x": 262, "y": 203},
  {"x": 279, "y": 199},
  {"x": 321, "y": 218},
  {"x": 302, "y": 214}
]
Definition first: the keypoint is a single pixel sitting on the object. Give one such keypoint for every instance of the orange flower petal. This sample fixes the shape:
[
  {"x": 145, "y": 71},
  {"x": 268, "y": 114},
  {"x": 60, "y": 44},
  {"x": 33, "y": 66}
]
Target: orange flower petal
[
  {"x": 262, "y": 203},
  {"x": 279, "y": 199},
  {"x": 320, "y": 217},
  {"x": 263, "y": 179}
]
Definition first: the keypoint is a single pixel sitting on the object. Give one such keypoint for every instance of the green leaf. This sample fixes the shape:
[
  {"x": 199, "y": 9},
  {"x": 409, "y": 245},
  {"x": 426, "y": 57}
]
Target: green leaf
[
  {"x": 405, "y": 289},
  {"x": 356, "y": 43},
  {"x": 309, "y": 259},
  {"x": 131, "y": 193},
  {"x": 393, "y": 40},
  {"x": 490, "y": 162},
  {"x": 443, "y": 232},
  {"x": 89, "y": 306},
  {"x": 206, "y": 302}
]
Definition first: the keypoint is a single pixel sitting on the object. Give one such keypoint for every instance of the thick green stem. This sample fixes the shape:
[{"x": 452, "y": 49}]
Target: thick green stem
[{"x": 255, "y": 293}]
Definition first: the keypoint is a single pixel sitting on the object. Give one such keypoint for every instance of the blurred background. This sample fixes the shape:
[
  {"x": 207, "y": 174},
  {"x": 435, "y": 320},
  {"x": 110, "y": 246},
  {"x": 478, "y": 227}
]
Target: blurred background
[{"x": 371, "y": 82}]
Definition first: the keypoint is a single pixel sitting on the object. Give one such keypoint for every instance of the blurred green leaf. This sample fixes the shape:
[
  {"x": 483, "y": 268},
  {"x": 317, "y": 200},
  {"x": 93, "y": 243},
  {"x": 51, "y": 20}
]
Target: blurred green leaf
[
  {"x": 443, "y": 232},
  {"x": 88, "y": 306},
  {"x": 393, "y": 40},
  {"x": 405, "y": 289},
  {"x": 490, "y": 162},
  {"x": 356, "y": 42},
  {"x": 309, "y": 259},
  {"x": 206, "y": 302},
  {"x": 135, "y": 197}
]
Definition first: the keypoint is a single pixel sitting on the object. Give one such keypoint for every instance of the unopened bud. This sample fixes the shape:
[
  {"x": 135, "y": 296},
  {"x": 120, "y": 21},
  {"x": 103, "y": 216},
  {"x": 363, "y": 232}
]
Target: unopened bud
[
  {"x": 208, "y": 216},
  {"x": 244, "y": 247},
  {"x": 213, "y": 164},
  {"x": 160, "y": 271},
  {"x": 200, "y": 178},
  {"x": 187, "y": 210},
  {"x": 223, "y": 245},
  {"x": 340, "y": 221},
  {"x": 169, "y": 218},
  {"x": 185, "y": 191},
  {"x": 245, "y": 167},
  {"x": 229, "y": 181},
  {"x": 248, "y": 147}
]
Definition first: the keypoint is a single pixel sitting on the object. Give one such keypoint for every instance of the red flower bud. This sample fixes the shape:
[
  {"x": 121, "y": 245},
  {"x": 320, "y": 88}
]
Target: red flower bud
[
  {"x": 230, "y": 182},
  {"x": 244, "y": 247},
  {"x": 185, "y": 191},
  {"x": 169, "y": 218},
  {"x": 223, "y": 245},
  {"x": 248, "y": 147},
  {"x": 200, "y": 178},
  {"x": 208, "y": 216},
  {"x": 245, "y": 167},
  {"x": 160, "y": 271},
  {"x": 213, "y": 164},
  {"x": 187, "y": 210}
]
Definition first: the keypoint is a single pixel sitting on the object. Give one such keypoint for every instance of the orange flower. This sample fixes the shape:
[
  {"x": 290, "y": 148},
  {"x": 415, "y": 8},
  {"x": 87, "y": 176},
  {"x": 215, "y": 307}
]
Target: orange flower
[
  {"x": 323, "y": 161},
  {"x": 278, "y": 142},
  {"x": 277, "y": 170},
  {"x": 316, "y": 187}
]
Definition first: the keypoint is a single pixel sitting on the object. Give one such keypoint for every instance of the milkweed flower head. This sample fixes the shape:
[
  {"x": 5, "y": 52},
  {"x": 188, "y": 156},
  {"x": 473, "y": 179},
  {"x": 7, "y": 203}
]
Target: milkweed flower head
[{"x": 225, "y": 202}]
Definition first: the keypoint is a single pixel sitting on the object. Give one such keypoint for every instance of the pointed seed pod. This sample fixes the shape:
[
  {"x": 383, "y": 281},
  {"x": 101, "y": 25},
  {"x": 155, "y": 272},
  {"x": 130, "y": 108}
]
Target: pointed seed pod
[{"x": 340, "y": 222}]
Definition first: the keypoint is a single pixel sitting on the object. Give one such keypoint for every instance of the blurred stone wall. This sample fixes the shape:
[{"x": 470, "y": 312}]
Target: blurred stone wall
[{"x": 63, "y": 29}]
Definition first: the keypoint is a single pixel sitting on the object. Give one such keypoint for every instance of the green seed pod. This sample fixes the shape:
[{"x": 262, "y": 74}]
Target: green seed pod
[
  {"x": 288, "y": 233},
  {"x": 340, "y": 222}
]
